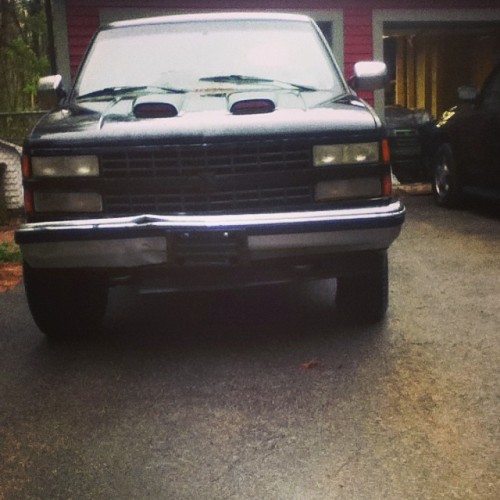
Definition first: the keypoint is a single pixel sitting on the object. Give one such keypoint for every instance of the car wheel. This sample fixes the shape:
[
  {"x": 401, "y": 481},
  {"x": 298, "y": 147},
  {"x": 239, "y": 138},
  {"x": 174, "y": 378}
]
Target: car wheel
[
  {"x": 66, "y": 303},
  {"x": 365, "y": 296},
  {"x": 446, "y": 184}
]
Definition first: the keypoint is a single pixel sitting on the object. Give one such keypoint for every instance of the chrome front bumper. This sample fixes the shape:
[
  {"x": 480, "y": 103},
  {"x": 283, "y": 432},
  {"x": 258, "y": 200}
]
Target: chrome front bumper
[{"x": 129, "y": 242}]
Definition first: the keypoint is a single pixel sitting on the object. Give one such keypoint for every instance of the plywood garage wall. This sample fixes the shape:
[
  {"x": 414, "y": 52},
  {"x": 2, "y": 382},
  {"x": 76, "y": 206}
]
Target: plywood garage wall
[{"x": 430, "y": 67}]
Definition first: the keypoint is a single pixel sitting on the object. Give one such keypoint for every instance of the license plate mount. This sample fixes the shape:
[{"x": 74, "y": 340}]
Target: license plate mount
[{"x": 209, "y": 248}]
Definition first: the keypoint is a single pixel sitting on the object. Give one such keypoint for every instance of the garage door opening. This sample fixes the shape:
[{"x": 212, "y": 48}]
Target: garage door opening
[{"x": 428, "y": 61}]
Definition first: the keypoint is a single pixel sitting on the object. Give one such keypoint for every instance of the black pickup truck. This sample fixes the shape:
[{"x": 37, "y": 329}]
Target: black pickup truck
[{"x": 202, "y": 152}]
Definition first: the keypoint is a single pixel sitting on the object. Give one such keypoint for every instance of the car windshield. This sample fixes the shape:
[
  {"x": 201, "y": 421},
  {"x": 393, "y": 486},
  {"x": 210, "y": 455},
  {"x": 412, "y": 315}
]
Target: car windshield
[{"x": 209, "y": 56}]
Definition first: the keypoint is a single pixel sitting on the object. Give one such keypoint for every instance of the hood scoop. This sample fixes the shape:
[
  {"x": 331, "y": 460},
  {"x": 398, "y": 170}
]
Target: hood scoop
[
  {"x": 154, "y": 106},
  {"x": 250, "y": 104}
]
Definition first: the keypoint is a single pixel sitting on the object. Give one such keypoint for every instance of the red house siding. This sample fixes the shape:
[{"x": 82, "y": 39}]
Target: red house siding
[
  {"x": 82, "y": 23},
  {"x": 358, "y": 43}
]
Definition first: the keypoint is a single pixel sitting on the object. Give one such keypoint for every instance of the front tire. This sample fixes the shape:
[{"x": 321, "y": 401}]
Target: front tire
[
  {"x": 365, "y": 296},
  {"x": 446, "y": 185},
  {"x": 66, "y": 303}
]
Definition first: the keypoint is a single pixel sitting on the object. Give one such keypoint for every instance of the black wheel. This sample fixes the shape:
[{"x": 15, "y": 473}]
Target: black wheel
[
  {"x": 66, "y": 303},
  {"x": 365, "y": 296},
  {"x": 446, "y": 185}
]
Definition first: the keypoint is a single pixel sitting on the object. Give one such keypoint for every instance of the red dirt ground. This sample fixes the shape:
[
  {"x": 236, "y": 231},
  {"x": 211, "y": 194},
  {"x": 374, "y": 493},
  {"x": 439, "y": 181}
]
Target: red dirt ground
[{"x": 11, "y": 273}]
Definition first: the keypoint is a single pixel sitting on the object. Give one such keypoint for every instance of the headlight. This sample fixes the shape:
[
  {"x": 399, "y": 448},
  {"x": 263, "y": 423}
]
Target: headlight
[
  {"x": 67, "y": 202},
  {"x": 65, "y": 166},
  {"x": 342, "y": 154}
]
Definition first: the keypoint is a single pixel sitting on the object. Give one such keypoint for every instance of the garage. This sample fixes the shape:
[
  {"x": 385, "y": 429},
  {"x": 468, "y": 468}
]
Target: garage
[
  {"x": 429, "y": 54},
  {"x": 427, "y": 62}
]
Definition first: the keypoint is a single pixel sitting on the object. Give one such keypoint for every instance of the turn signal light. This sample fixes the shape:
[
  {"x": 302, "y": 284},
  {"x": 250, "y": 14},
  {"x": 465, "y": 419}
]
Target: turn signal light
[
  {"x": 386, "y": 152},
  {"x": 26, "y": 166},
  {"x": 386, "y": 184},
  {"x": 28, "y": 202}
]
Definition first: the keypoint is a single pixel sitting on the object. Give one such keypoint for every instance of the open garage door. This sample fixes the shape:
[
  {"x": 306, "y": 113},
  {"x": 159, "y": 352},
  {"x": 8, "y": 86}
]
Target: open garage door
[{"x": 429, "y": 61}]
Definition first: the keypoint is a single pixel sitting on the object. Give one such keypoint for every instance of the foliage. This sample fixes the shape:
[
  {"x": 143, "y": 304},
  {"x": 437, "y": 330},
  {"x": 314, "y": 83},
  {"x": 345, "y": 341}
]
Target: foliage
[
  {"x": 9, "y": 252},
  {"x": 15, "y": 126},
  {"x": 23, "y": 52}
]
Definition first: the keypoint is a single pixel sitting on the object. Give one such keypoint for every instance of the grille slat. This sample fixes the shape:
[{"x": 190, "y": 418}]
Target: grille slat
[
  {"x": 405, "y": 143},
  {"x": 233, "y": 177}
]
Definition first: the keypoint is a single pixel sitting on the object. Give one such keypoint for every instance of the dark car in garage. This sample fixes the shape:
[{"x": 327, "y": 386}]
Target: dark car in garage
[
  {"x": 466, "y": 146},
  {"x": 408, "y": 133}
]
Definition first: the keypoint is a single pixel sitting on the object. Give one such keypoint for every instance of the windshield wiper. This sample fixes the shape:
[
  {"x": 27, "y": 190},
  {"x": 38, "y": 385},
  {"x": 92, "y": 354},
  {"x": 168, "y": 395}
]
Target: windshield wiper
[
  {"x": 120, "y": 91},
  {"x": 249, "y": 80}
]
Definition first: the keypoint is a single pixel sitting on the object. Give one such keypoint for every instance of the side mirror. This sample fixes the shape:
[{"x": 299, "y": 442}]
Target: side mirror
[
  {"x": 50, "y": 91},
  {"x": 369, "y": 75},
  {"x": 467, "y": 93}
]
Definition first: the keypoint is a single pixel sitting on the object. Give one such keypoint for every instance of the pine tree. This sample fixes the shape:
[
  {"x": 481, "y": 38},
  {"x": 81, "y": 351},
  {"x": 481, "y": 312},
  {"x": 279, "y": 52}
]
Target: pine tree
[{"x": 23, "y": 52}]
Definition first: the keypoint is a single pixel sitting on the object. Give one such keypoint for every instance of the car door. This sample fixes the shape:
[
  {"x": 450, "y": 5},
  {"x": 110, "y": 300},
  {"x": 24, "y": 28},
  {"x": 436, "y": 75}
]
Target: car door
[{"x": 479, "y": 136}]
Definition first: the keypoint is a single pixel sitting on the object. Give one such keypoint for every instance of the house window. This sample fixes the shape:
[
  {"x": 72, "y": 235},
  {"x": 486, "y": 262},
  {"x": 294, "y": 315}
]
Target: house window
[{"x": 327, "y": 30}]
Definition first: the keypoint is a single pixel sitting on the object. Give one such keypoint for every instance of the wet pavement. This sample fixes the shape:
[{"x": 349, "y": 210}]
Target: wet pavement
[{"x": 267, "y": 393}]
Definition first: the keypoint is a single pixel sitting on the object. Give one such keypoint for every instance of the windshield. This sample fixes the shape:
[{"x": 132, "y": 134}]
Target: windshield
[{"x": 210, "y": 56}]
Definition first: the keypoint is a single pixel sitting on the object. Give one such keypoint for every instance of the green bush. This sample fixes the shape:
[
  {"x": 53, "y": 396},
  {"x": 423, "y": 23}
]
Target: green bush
[
  {"x": 9, "y": 252},
  {"x": 15, "y": 126}
]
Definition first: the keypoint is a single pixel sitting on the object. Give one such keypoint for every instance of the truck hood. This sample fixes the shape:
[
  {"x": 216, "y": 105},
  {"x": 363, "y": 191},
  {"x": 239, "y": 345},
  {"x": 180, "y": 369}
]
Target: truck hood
[{"x": 202, "y": 117}]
